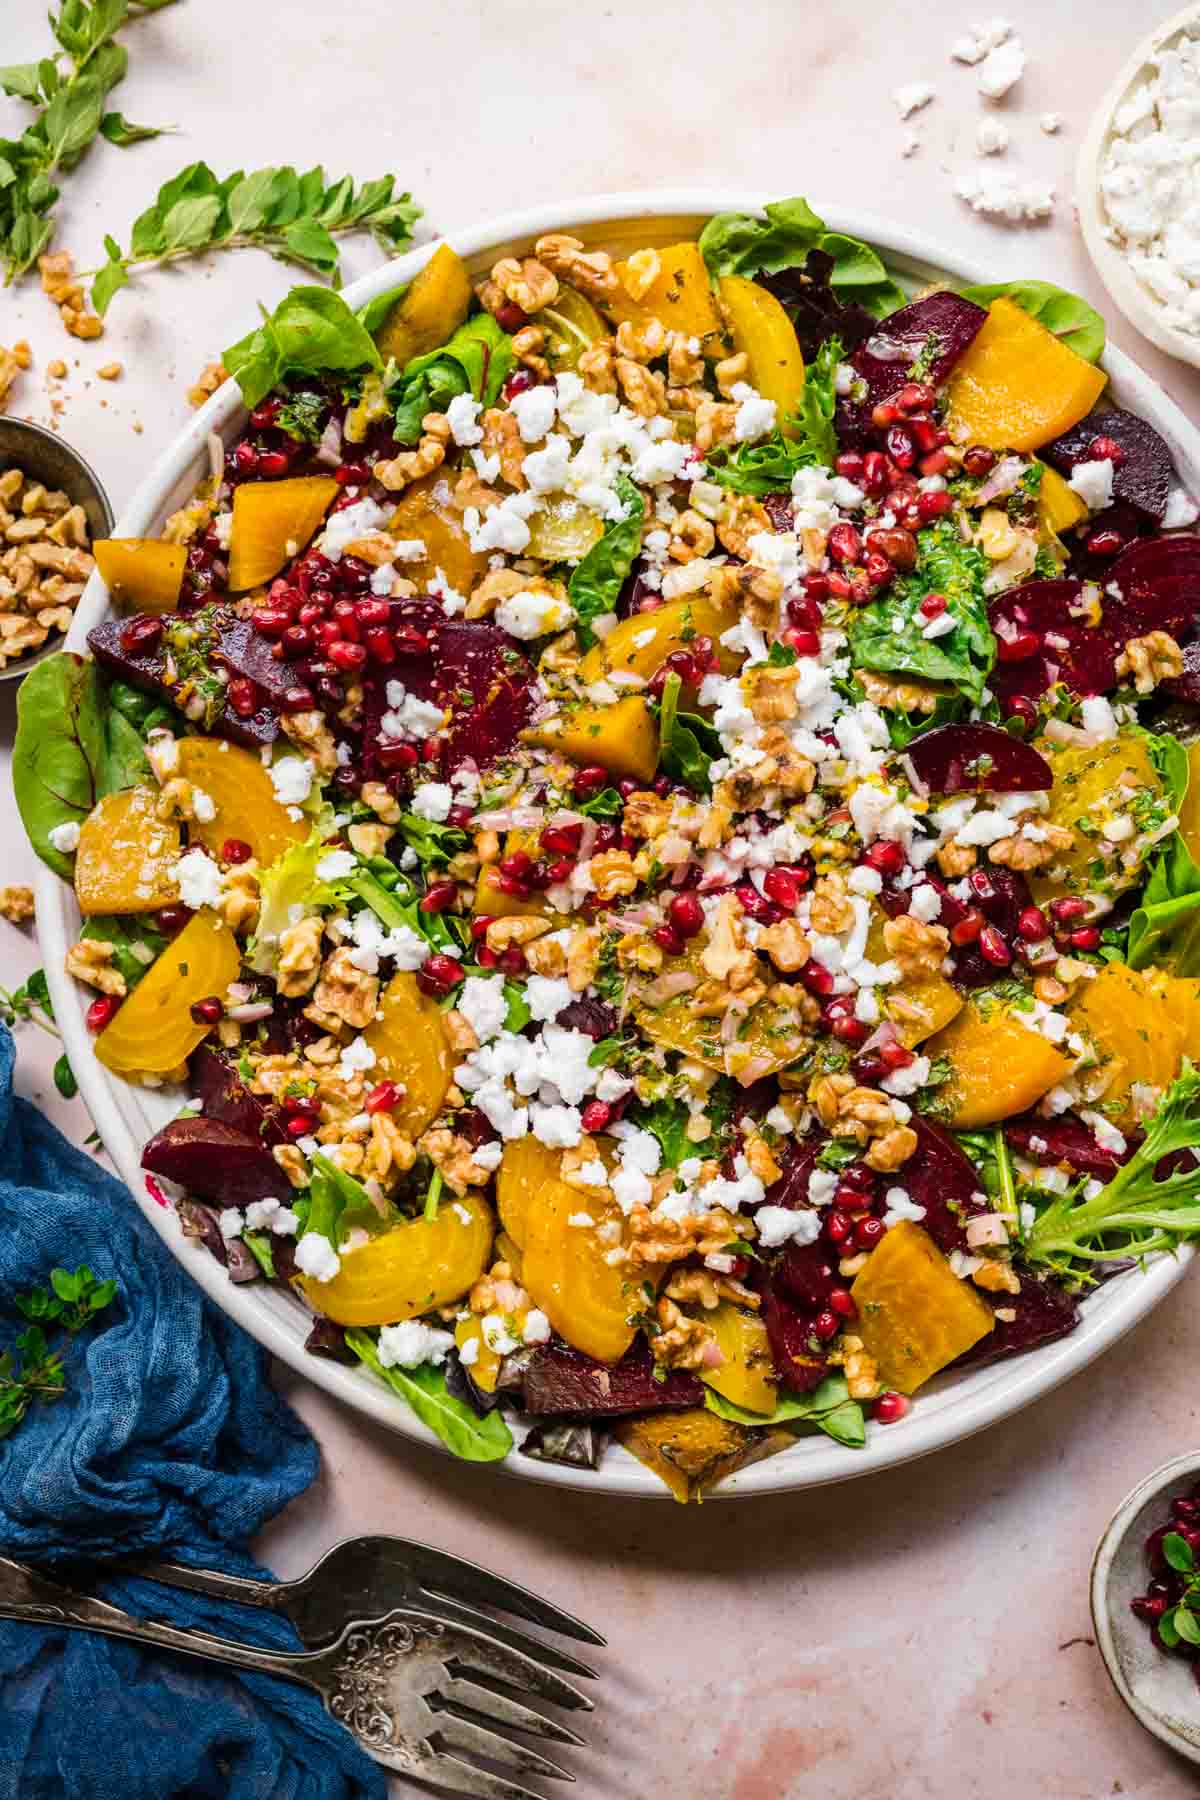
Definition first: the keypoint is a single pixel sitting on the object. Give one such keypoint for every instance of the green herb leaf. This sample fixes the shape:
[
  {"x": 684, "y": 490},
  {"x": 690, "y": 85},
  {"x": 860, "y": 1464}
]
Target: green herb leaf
[
  {"x": 64, "y": 1079},
  {"x": 135, "y": 942},
  {"x": 829, "y": 1408},
  {"x": 602, "y": 572},
  {"x": 1178, "y": 1553},
  {"x": 22, "y": 80},
  {"x": 311, "y": 332},
  {"x": 1165, "y": 929},
  {"x": 1187, "y": 1624},
  {"x": 424, "y": 1388},
  {"x": 888, "y": 635},
  {"x": 518, "y": 1014},
  {"x": 738, "y": 244},
  {"x": 1069, "y": 317},
  {"x": 431, "y": 842},
  {"x": 117, "y": 129}
]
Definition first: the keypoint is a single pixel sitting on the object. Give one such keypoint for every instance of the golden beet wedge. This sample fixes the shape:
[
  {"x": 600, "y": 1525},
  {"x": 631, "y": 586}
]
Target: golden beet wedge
[
  {"x": 622, "y": 738},
  {"x": 1018, "y": 386},
  {"x": 272, "y": 522},
  {"x": 762, "y": 331},
  {"x": 141, "y": 574},
  {"x": 680, "y": 296},
  {"x": 914, "y": 1314},
  {"x": 126, "y": 856},
  {"x": 409, "y": 1270},
  {"x": 154, "y": 1032},
  {"x": 243, "y": 797},
  {"x": 999, "y": 1066},
  {"x": 642, "y": 643},
  {"x": 430, "y": 310},
  {"x": 410, "y": 1048}
]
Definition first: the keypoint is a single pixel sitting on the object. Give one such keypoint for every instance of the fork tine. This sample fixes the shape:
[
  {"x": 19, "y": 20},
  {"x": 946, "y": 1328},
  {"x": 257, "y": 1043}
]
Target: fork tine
[
  {"x": 476, "y": 1740},
  {"x": 454, "y": 1578},
  {"x": 480, "y": 1654},
  {"x": 447, "y": 1771},
  {"x": 501, "y": 1709},
  {"x": 459, "y": 1614}
]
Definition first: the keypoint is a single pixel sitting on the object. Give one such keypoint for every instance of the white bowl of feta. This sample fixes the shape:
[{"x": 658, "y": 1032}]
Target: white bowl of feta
[
  {"x": 1138, "y": 187},
  {"x": 955, "y": 1404}
]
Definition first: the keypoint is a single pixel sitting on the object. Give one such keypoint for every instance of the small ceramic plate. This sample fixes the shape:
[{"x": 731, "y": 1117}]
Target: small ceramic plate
[
  {"x": 1160, "y": 1691},
  {"x": 1140, "y": 306}
]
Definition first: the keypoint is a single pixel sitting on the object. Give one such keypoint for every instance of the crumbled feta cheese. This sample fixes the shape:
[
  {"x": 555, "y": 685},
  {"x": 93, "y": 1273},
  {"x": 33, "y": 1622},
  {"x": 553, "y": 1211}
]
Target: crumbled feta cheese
[
  {"x": 786, "y": 1225},
  {"x": 991, "y": 137},
  {"x": 1099, "y": 719},
  {"x": 979, "y": 39},
  {"x": 908, "y": 1080},
  {"x": 546, "y": 996},
  {"x": 355, "y": 1059},
  {"x": 334, "y": 864},
  {"x": 536, "y": 1328},
  {"x": 65, "y": 837},
  {"x": 230, "y": 1223},
  {"x": 433, "y": 800},
  {"x": 201, "y": 882},
  {"x": 1093, "y": 482},
  {"x": 483, "y": 1005},
  {"x": 316, "y": 1256},
  {"x": 912, "y": 97},
  {"x": 925, "y": 903},
  {"x": 755, "y": 416},
  {"x": 1051, "y": 122},
  {"x": 1001, "y": 196},
  {"x": 407, "y": 716},
  {"x": 203, "y": 806},
  {"x": 534, "y": 411},
  {"x": 462, "y": 416},
  {"x": 558, "y": 1127},
  {"x": 1001, "y": 69},
  {"x": 901, "y": 1205},
  {"x": 412, "y": 1342},
  {"x": 292, "y": 779},
  {"x": 352, "y": 522},
  {"x": 531, "y": 615}
]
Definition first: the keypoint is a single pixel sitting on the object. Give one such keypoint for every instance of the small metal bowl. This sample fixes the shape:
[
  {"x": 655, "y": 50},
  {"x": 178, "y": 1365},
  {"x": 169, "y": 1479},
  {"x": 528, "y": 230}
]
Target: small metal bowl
[
  {"x": 1160, "y": 1691},
  {"x": 44, "y": 457}
]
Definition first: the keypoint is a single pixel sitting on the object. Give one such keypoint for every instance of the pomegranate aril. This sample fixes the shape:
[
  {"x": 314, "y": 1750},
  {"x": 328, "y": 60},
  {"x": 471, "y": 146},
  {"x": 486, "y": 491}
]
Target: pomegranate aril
[
  {"x": 874, "y": 472},
  {"x": 686, "y": 914},
  {"x": 841, "y": 1302},
  {"x": 901, "y": 448},
  {"x": 915, "y": 396},
  {"x": 520, "y": 381},
  {"x": 589, "y": 781},
  {"x": 560, "y": 871},
  {"x": 826, "y": 1325},
  {"x": 379, "y": 645},
  {"x": 208, "y": 1011},
  {"x": 896, "y": 1055},
  {"x": 993, "y": 947},
  {"x": 383, "y": 1097},
  {"x": 348, "y": 656},
  {"x": 968, "y": 928},
  {"x": 563, "y": 839},
  {"x": 479, "y": 926},
  {"x": 352, "y": 475},
  {"x": 924, "y": 434},
  {"x": 518, "y": 864},
  {"x": 438, "y": 974},
  {"x": 1106, "y": 542},
  {"x": 850, "y": 464},
  {"x": 487, "y": 958},
  {"x": 838, "y": 1226},
  {"x": 1106, "y": 449},
  {"x": 1086, "y": 938},
  {"x": 816, "y": 589},
  {"x": 933, "y": 606},
  {"x": 513, "y": 886},
  {"x": 1070, "y": 907},
  {"x": 884, "y": 415},
  {"x": 596, "y": 1115},
  {"x": 785, "y": 886},
  {"x": 868, "y": 1233},
  {"x": 885, "y": 856},
  {"x": 271, "y": 621},
  {"x": 298, "y": 1125},
  {"x": 844, "y": 544},
  {"x": 512, "y": 960},
  {"x": 1018, "y": 648},
  {"x": 438, "y": 897},
  {"x": 936, "y": 463},
  {"x": 245, "y": 459},
  {"x": 264, "y": 415},
  {"x": 880, "y": 572},
  {"x": 297, "y": 641},
  {"x": 978, "y": 461},
  {"x": 1033, "y": 925},
  {"x": 236, "y": 850},
  {"x": 101, "y": 1011},
  {"x": 840, "y": 586},
  {"x": 804, "y": 643},
  {"x": 170, "y": 920},
  {"x": 1149, "y": 1607},
  {"x": 889, "y": 1408},
  {"x": 816, "y": 978},
  {"x": 273, "y": 462},
  {"x": 668, "y": 939},
  {"x": 933, "y": 506}
]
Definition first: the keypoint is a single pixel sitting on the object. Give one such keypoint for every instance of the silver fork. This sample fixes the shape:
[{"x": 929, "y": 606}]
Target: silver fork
[
  {"x": 412, "y": 1688},
  {"x": 367, "y": 1577}
]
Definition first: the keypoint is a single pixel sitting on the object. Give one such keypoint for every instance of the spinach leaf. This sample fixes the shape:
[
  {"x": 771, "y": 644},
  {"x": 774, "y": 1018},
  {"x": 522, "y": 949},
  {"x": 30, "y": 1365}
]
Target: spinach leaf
[
  {"x": 596, "y": 584},
  {"x": 737, "y": 244},
  {"x": 60, "y": 751},
  {"x": 887, "y": 635},
  {"x": 1079, "y": 325},
  {"x": 135, "y": 942},
  {"x": 311, "y": 332},
  {"x": 687, "y": 743},
  {"x": 462, "y": 1431},
  {"x": 143, "y": 711},
  {"x": 829, "y": 1407},
  {"x": 667, "y": 1120},
  {"x": 768, "y": 466},
  {"x": 476, "y": 360},
  {"x": 338, "y": 1204},
  {"x": 125, "y": 763}
]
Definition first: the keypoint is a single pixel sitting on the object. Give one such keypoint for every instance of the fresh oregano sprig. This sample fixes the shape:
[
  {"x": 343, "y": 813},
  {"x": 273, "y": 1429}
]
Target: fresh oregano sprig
[
  {"x": 35, "y": 1370},
  {"x": 70, "y": 102},
  {"x": 1181, "y": 1621},
  {"x": 296, "y": 217},
  {"x": 31, "y": 1004}
]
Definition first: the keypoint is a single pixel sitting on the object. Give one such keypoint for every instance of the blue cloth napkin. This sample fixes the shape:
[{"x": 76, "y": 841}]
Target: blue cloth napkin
[{"x": 169, "y": 1441}]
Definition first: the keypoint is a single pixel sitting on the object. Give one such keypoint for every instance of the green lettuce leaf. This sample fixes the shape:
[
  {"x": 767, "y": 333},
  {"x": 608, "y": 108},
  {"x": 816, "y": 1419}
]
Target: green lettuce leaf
[
  {"x": 829, "y": 1408},
  {"x": 887, "y": 635},
  {"x": 599, "y": 576},
  {"x": 59, "y": 751},
  {"x": 311, "y": 332},
  {"x": 1070, "y": 318},
  {"x": 687, "y": 743},
  {"x": 135, "y": 942},
  {"x": 1165, "y": 929},
  {"x": 476, "y": 360},
  {"x": 768, "y": 466},
  {"x": 290, "y": 881},
  {"x": 737, "y": 244},
  {"x": 462, "y": 1431}
]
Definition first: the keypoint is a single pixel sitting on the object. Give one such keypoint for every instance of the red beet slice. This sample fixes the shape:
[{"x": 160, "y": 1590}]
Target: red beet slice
[
  {"x": 1065, "y": 1139},
  {"x": 943, "y": 322},
  {"x": 1145, "y": 477},
  {"x": 942, "y": 1178},
  {"x": 145, "y": 669},
  {"x": 565, "y": 1383},
  {"x": 1081, "y": 656},
  {"x": 1043, "y": 1312},
  {"x": 958, "y": 759},
  {"x": 1001, "y": 895},
  {"x": 805, "y": 1275},
  {"x": 1158, "y": 584},
  {"x": 789, "y": 1333},
  {"x": 473, "y": 669},
  {"x": 1187, "y": 685},
  {"x": 224, "y": 1095},
  {"x": 215, "y": 1160}
]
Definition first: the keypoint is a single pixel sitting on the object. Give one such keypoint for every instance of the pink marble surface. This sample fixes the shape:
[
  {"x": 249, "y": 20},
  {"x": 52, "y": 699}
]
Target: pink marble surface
[{"x": 925, "y": 1633}]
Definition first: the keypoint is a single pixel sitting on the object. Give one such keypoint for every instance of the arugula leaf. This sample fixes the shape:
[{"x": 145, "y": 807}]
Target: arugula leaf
[
  {"x": 59, "y": 751},
  {"x": 887, "y": 634},
  {"x": 311, "y": 332},
  {"x": 295, "y": 217},
  {"x": 768, "y": 466},
  {"x": 599, "y": 576},
  {"x": 1068, "y": 316},
  {"x": 738, "y": 244},
  {"x": 462, "y": 1431},
  {"x": 340, "y": 1204},
  {"x": 829, "y": 1407},
  {"x": 687, "y": 743},
  {"x": 1136, "y": 1213}
]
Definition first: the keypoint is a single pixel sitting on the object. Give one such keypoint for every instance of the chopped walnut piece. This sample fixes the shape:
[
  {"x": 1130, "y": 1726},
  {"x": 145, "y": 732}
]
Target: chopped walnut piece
[
  {"x": 640, "y": 273},
  {"x": 1025, "y": 853},
  {"x": 681, "y": 1342},
  {"x": 389, "y": 1152},
  {"x": 291, "y": 1161},
  {"x": 910, "y": 694},
  {"x": 545, "y": 956},
  {"x": 382, "y": 802},
  {"x": 368, "y": 840},
  {"x": 110, "y": 371},
  {"x": 612, "y": 874},
  {"x": 785, "y": 944},
  {"x": 685, "y": 360},
  {"x": 583, "y": 958},
  {"x": 892, "y": 1150},
  {"x": 454, "y": 1157},
  {"x": 1150, "y": 659},
  {"x": 212, "y": 376},
  {"x": 692, "y": 536},
  {"x": 502, "y": 933},
  {"x": 729, "y": 372},
  {"x": 831, "y": 910},
  {"x": 645, "y": 391},
  {"x": 727, "y": 957},
  {"x": 646, "y": 814},
  {"x": 655, "y": 1238},
  {"x": 528, "y": 345},
  {"x": 528, "y": 284},
  {"x": 312, "y": 734},
  {"x": 346, "y": 991},
  {"x": 91, "y": 961},
  {"x": 240, "y": 899},
  {"x": 591, "y": 271},
  {"x": 10, "y": 367},
  {"x": 757, "y": 592},
  {"x": 596, "y": 368},
  {"x": 58, "y": 282},
  {"x": 411, "y": 465},
  {"x": 499, "y": 1291},
  {"x": 861, "y": 1371},
  {"x": 995, "y": 1276},
  {"x": 502, "y": 438},
  {"x": 918, "y": 948},
  {"x": 761, "y": 1160},
  {"x": 16, "y": 904},
  {"x": 299, "y": 957},
  {"x": 956, "y": 859},
  {"x": 641, "y": 342},
  {"x": 771, "y": 693}
]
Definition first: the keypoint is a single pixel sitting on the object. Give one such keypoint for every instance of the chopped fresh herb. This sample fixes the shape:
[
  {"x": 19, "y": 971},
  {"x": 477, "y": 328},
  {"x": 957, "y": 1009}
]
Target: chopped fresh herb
[{"x": 35, "y": 1370}]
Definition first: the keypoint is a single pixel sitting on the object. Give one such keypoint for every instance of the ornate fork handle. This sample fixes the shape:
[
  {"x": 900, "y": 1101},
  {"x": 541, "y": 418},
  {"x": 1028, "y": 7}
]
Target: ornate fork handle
[{"x": 25, "y": 1594}]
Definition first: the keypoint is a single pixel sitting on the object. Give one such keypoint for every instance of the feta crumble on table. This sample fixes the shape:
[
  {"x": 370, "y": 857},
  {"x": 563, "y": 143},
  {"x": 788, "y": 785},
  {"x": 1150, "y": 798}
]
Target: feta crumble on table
[
  {"x": 1001, "y": 69},
  {"x": 991, "y": 137},
  {"x": 1001, "y": 196},
  {"x": 979, "y": 39},
  {"x": 912, "y": 97}
]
